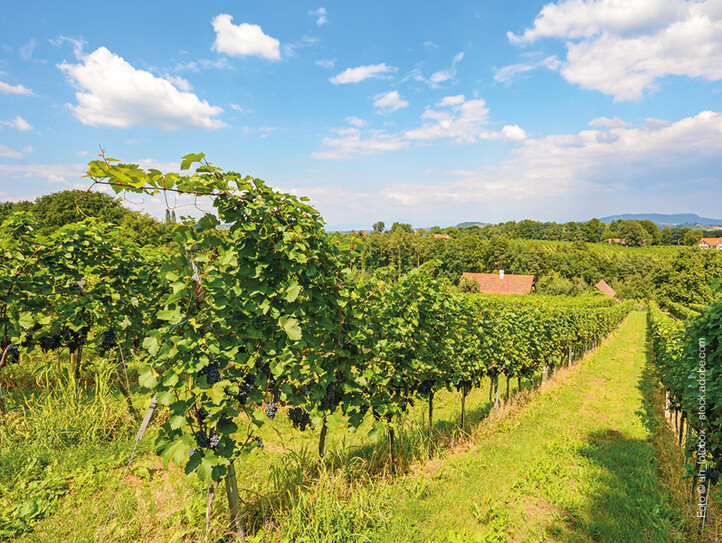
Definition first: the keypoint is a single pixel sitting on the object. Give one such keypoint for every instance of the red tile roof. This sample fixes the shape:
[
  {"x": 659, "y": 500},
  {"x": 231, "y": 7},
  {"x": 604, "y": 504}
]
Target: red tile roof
[
  {"x": 491, "y": 283},
  {"x": 606, "y": 289},
  {"x": 712, "y": 242},
  {"x": 441, "y": 236}
]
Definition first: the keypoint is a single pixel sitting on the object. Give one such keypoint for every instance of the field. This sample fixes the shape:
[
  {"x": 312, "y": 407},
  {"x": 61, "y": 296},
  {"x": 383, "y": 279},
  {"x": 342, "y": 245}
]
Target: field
[{"x": 299, "y": 401}]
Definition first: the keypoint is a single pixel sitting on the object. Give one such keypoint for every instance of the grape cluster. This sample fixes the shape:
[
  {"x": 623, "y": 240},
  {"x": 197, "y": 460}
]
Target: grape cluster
[
  {"x": 332, "y": 397},
  {"x": 299, "y": 418},
  {"x": 192, "y": 451},
  {"x": 202, "y": 440},
  {"x": 212, "y": 372},
  {"x": 259, "y": 441},
  {"x": 271, "y": 410},
  {"x": 246, "y": 389},
  {"x": 215, "y": 440},
  {"x": 199, "y": 414},
  {"x": 49, "y": 343},
  {"x": 107, "y": 341}
]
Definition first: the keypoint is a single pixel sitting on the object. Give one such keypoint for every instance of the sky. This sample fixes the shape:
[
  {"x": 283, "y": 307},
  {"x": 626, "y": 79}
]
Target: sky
[{"x": 429, "y": 113}]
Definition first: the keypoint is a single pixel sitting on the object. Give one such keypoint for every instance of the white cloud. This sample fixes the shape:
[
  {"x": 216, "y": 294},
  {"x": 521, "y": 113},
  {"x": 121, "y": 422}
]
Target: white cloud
[
  {"x": 355, "y": 121},
  {"x": 458, "y": 120},
  {"x": 7, "y": 152},
  {"x": 355, "y": 75},
  {"x": 441, "y": 76},
  {"x": 513, "y": 133},
  {"x": 509, "y": 74},
  {"x": 452, "y": 100},
  {"x": 6, "y": 88},
  {"x": 606, "y": 122},
  {"x": 78, "y": 45},
  {"x": 244, "y": 39},
  {"x": 466, "y": 121},
  {"x": 389, "y": 102},
  {"x": 624, "y": 48},
  {"x": 583, "y": 165},
  {"x": 179, "y": 82},
  {"x": 19, "y": 123},
  {"x": 327, "y": 63},
  {"x": 238, "y": 108},
  {"x": 352, "y": 143},
  {"x": 53, "y": 173},
  {"x": 113, "y": 93},
  {"x": 320, "y": 15},
  {"x": 430, "y": 45}
]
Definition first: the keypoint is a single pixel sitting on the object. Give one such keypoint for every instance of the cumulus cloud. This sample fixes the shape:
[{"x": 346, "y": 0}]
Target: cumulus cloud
[
  {"x": 244, "y": 39},
  {"x": 454, "y": 118},
  {"x": 464, "y": 121},
  {"x": 19, "y": 123},
  {"x": 389, "y": 102},
  {"x": 6, "y": 88},
  {"x": 624, "y": 48},
  {"x": 513, "y": 133},
  {"x": 115, "y": 94},
  {"x": 320, "y": 15},
  {"x": 358, "y": 74},
  {"x": 585, "y": 164}
]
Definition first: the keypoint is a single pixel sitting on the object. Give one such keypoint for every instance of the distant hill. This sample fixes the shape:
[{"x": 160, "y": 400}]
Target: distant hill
[
  {"x": 471, "y": 223},
  {"x": 661, "y": 219}
]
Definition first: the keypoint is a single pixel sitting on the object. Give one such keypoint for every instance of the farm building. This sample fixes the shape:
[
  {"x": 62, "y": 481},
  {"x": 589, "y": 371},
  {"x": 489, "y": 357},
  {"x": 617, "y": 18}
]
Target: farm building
[
  {"x": 605, "y": 288},
  {"x": 710, "y": 243},
  {"x": 501, "y": 283}
]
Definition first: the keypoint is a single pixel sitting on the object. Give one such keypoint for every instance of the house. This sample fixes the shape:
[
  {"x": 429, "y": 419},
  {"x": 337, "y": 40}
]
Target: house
[
  {"x": 441, "y": 236},
  {"x": 710, "y": 243},
  {"x": 605, "y": 288},
  {"x": 616, "y": 241},
  {"x": 500, "y": 283}
]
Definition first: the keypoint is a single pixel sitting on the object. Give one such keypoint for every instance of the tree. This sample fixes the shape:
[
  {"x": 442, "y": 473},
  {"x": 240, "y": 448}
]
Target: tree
[{"x": 379, "y": 227}]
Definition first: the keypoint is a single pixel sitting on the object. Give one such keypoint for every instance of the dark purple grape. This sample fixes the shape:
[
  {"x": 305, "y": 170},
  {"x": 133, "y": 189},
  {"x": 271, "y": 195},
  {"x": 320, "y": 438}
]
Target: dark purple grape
[{"x": 271, "y": 410}]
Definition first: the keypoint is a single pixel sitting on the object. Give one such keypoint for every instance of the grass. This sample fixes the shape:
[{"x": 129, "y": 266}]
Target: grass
[
  {"x": 582, "y": 461},
  {"x": 578, "y": 464}
]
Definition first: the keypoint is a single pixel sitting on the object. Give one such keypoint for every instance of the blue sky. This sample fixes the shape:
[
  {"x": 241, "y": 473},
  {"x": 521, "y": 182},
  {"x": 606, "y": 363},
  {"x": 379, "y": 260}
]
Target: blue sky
[{"x": 420, "y": 112}]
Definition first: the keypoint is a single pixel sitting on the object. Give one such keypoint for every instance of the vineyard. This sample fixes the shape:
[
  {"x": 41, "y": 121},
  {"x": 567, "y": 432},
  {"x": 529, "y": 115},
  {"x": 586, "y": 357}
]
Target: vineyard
[{"x": 253, "y": 314}]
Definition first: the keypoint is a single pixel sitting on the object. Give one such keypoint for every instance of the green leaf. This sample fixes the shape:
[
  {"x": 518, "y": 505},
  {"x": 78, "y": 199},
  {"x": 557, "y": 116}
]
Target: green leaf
[
  {"x": 190, "y": 159},
  {"x": 176, "y": 452},
  {"x": 146, "y": 378},
  {"x": 291, "y": 327},
  {"x": 26, "y": 320},
  {"x": 292, "y": 292}
]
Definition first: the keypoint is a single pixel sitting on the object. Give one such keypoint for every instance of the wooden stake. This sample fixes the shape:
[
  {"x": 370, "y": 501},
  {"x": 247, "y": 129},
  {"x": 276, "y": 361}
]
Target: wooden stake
[
  {"x": 234, "y": 504},
  {"x": 209, "y": 505},
  {"x": 431, "y": 412},
  {"x": 322, "y": 438}
]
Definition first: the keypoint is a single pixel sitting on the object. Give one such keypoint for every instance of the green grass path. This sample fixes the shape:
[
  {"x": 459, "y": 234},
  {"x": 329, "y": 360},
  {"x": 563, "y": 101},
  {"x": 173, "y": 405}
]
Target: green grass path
[{"x": 576, "y": 464}]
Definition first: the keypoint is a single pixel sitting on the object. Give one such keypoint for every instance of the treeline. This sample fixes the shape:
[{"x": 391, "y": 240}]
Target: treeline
[
  {"x": 629, "y": 232},
  {"x": 53, "y": 211},
  {"x": 677, "y": 273}
]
